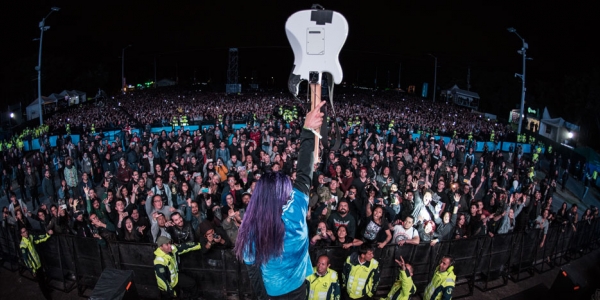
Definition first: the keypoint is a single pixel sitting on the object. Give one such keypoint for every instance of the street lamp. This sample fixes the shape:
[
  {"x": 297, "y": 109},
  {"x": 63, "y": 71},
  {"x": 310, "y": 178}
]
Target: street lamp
[
  {"x": 434, "y": 76},
  {"x": 38, "y": 68},
  {"x": 123, "y": 68},
  {"x": 522, "y": 76}
]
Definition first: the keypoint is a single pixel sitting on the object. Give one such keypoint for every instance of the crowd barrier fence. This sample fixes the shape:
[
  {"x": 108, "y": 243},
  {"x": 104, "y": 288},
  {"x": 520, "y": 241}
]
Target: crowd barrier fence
[
  {"x": 111, "y": 135},
  {"x": 482, "y": 262}
]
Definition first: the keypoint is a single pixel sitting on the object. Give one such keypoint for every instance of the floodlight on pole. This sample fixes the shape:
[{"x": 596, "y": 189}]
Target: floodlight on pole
[
  {"x": 434, "y": 76},
  {"x": 523, "y": 52},
  {"x": 43, "y": 27},
  {"x": 123, "y": 68}
]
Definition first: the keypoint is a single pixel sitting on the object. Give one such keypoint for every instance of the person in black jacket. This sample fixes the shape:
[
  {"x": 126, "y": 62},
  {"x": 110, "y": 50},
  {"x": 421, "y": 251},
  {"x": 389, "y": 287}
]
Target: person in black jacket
[
  {"x": 21, "y": 181},
  {"x": 31, "y": 182},
  {"x": 181, "y": 232},
  {"x": 129, "y": 233}
]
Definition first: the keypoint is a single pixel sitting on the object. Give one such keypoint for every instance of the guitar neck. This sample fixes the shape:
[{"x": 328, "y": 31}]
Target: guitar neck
[{"x": 315, "y": 99}]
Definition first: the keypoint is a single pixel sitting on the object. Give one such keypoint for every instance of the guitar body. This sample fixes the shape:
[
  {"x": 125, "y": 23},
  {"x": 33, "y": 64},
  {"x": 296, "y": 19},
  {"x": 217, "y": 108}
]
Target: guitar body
[{"x": 316, "y": 37}]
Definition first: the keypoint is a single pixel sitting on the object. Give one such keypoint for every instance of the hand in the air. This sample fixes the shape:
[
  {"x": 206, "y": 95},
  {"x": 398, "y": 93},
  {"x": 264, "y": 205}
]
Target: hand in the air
[{"x": 314, "y": 118}]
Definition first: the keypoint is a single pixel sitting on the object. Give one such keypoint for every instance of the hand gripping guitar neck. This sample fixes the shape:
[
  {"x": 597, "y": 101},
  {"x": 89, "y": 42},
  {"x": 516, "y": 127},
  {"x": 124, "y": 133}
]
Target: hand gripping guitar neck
[{"x": 316, "y": 37}]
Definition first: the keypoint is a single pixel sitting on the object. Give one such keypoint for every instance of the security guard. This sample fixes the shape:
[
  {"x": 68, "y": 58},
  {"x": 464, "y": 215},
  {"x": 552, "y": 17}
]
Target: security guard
[
  {"x": 443, "y": 282},
  {"x": 531, "y": 173},
  {"x": 174, "y": 122},
  {"x": 361, "y": 274},
  {"x": 492, "y": 136},
  {"x": 167, "y": 271},
  {"x": 323, "y": 282},
  {"x": 93, "y": 129},
  {"x": 404, "y": 287},
  {"x": 32, "y": 259},
  {"x": 184, "y": 120}
]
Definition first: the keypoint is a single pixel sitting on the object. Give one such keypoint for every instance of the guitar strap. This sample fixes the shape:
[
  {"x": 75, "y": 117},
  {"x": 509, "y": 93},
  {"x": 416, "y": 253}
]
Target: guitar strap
[
  {"x": 338, "y": 133},
  {"x": 324, "y": 132}
]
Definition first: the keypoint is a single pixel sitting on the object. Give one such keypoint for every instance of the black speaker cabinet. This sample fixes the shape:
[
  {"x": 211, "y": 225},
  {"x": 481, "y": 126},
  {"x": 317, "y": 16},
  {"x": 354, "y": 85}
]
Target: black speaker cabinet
[
  {"x": 567, "y": 284},
  {"x": 115, "y": 285}
]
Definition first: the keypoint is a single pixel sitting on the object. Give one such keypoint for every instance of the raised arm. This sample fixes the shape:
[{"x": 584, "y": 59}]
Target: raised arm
[{"x": 305, "y": 167}]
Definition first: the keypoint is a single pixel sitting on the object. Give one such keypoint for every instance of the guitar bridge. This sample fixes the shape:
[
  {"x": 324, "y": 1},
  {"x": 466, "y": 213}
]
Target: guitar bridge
[{"x": 313, "y": 77}]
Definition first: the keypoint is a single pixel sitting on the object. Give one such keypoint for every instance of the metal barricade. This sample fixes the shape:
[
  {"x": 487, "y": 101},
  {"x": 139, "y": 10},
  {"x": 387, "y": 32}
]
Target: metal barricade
[
  {"x": 56, "y": 258},
  {"x": 9, "y": 249},
  {"x": 494, "y": 259},
  {"x": 478, "y": 261},
  {"x": 523, "y": 259},
  {"x": 466, "y": 253}
]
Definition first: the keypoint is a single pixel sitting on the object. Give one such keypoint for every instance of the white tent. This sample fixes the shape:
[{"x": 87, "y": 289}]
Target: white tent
[
  {"x": 72, "y": 97},
  {"x": 82, "y": 95},
  {"x": 33, "y": 109},
  {"x": 556, "y": 129},
  {"x": 57, "y": 97},
  {"x": 462, "y": 97},
  {"x": 166, "y": 82}
]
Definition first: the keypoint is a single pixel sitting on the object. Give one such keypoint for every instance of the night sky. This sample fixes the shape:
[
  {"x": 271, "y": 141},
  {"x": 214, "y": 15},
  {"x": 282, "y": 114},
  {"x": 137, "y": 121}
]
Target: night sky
[{"x": 82, "y": 49}]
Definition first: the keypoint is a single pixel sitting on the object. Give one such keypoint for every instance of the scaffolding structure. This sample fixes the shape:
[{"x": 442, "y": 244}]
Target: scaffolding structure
[{"x": 232, "y": 86}]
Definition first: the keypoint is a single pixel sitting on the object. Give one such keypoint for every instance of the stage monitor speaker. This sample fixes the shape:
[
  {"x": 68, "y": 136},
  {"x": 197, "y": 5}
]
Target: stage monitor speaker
[
  {"x": 567, "y": 284},
  {"x": 115, "y": 285}
]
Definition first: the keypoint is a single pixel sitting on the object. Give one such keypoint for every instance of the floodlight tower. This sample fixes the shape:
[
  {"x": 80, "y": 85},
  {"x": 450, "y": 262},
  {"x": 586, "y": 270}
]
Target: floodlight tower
[
  {"x": 43, "y": 27},
  {"x": 523, "y": 52},
  {"x": 232, "y": 72}
]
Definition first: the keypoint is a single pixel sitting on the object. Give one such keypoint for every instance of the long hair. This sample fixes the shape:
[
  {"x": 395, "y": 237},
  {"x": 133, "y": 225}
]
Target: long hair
[{"x": 262, "y": 231}]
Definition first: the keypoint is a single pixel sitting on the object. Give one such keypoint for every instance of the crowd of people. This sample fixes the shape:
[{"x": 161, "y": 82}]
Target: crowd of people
[
  {"x": 87, "y": 117},
  {"x": 381, "y": 187},
  {"x": 158, "y": 107}
]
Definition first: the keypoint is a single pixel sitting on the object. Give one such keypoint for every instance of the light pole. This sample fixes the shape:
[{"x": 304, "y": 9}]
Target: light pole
[
  {"x": 123, "y": 68},
  {"x": 43, "y": 28},
  {"x": 522, "y": 76},
  {"x": 434, "y": 77}
]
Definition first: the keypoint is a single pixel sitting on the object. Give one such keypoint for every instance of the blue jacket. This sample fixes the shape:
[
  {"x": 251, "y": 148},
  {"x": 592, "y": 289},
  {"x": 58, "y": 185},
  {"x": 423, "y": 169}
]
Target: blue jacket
[{"x": 284, "y": 274}]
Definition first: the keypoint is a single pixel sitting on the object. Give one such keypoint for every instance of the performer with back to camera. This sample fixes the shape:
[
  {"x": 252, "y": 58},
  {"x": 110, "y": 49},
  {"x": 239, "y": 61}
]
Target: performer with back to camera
[{"x": 273, "y": 238}]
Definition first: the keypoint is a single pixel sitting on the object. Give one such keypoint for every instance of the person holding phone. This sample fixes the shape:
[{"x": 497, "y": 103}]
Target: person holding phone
[{"x": 323, "y": 235}]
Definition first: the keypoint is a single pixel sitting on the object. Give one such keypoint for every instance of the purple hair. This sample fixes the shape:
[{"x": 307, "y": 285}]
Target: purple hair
[{"x": 262, "y": 231}]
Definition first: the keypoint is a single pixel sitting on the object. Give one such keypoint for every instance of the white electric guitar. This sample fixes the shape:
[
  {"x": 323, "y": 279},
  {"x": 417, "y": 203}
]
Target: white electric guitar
[{"x": 316, "y": 37}]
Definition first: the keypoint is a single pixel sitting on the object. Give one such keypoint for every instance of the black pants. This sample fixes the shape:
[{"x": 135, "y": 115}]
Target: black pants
[
  {"x": 41, "y": 279},
  {"x": 35, "y": 197},
  {"x": 256, "y": 281},
  {"x": 23, "y": 192},
  {"x": 186, "y": 288},
  {"x": 297, "y": 294}
]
